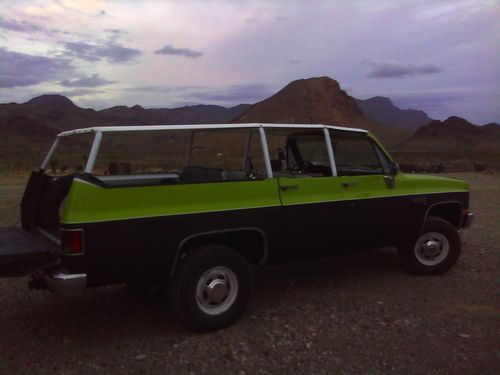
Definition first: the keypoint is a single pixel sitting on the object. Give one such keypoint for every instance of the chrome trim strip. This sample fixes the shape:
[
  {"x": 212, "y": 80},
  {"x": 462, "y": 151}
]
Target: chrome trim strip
[
  {"x": 66, "y": 284},
  {"x": 468, "y": 219}
]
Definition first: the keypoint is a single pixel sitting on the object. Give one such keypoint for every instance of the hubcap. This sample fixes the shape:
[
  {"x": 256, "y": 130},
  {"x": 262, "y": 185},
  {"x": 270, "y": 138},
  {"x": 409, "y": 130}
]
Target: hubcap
[
  {"x": 216, "y": 290},
  {"x": 432, "y": 248}
]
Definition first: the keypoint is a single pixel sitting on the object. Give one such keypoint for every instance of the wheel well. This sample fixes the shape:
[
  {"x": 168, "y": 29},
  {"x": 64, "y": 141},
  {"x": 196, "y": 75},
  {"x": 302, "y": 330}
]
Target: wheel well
[
  {"x": 451, "y": 212},
  {"x": 251, "y": 243}
]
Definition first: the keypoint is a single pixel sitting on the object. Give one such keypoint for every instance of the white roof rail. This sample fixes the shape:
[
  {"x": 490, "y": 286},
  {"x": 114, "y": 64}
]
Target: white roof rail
[{"x": 136, "y": 128}]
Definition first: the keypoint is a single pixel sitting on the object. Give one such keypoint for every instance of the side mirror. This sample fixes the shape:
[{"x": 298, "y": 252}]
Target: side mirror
[{"x": 395, "y": 168}]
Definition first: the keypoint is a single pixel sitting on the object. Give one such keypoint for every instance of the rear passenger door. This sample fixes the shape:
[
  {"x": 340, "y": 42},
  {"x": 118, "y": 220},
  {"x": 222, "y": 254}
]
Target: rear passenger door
[{"x": 375, "y": 196}]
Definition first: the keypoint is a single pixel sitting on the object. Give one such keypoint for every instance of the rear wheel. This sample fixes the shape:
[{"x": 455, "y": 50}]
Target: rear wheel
[
  {"x": 210, "y": 288},
  {"x": 435, "y": 251}
]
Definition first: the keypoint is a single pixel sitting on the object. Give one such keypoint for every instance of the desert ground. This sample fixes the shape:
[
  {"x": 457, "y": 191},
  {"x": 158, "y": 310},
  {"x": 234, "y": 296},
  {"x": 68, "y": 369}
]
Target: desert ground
[{"x": 349, "y": 314}]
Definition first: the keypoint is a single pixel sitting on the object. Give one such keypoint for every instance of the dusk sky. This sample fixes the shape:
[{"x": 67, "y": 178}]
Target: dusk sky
[{"x": 442, "y": 57}]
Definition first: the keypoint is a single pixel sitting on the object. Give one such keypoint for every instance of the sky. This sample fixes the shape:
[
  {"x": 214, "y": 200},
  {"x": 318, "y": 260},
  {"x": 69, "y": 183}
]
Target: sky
[{"x": 442, "y": 57}]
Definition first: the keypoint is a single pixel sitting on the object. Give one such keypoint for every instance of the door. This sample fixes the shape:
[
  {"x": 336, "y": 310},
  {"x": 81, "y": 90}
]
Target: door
[
  {"x": 311, "y": 196},
  {"x": 375, "y": 194}
]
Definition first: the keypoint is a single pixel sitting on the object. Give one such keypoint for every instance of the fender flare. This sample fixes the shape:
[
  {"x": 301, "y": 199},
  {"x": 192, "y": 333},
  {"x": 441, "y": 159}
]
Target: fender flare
[{"x": 262, "y": 261}]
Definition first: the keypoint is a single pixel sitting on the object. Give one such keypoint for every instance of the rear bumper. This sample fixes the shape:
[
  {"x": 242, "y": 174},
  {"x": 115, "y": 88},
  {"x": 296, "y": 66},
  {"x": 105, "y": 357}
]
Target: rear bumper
[
  {"x": 467, "y": 220},
  {"x": 65, "y": 283}
]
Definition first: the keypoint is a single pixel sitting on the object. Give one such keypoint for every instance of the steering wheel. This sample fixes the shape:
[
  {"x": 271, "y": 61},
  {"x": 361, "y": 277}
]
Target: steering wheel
[{"x": 307, "y": 167}]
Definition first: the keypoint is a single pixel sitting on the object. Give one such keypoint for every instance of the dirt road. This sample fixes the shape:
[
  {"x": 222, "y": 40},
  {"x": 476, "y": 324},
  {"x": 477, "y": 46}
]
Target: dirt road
[{"x": 350, "y": 314}]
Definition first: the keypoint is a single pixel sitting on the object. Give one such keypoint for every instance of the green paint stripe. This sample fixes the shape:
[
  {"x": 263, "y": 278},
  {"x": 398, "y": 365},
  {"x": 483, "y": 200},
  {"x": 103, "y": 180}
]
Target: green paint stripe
[{"x": 87, "y": 203}]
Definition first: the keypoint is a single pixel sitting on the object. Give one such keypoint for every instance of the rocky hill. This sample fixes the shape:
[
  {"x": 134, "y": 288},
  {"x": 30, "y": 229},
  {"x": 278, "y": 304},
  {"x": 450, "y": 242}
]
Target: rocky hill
[
  {"x": 381, "y": 109},
  {"x": 48, "y": 114},
  {"x": 317, "y": 100},
  {"x": 26, "y": 130},
  {"x": 455, "y": 132}
]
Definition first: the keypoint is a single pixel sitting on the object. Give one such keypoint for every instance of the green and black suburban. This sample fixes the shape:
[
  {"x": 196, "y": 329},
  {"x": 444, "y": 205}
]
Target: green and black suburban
[{"x": 191, "y": 207}]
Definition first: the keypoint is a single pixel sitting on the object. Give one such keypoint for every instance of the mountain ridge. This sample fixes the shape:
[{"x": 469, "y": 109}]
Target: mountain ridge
[
  {"x": 455, "y": 132},
  {"x": 382, "y": 110},
  {"x": 318, "y": 100}
]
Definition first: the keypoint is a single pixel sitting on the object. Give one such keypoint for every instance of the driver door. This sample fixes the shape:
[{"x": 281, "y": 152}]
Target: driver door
[
  {"x": 312, "y": 199},
  {"x": 378, "y": 206}
]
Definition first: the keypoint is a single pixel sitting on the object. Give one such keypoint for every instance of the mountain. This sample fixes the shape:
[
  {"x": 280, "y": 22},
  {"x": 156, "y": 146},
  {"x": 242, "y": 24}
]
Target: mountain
[
  {"x": 26, "y": 130},
  {"x": 317, "y": 100},
  {"x": 381, "y": 109},
  {"x": 55, "y": 101},
  {"x": 58, "y": 113},
  {"x": 455, "y": 132}
]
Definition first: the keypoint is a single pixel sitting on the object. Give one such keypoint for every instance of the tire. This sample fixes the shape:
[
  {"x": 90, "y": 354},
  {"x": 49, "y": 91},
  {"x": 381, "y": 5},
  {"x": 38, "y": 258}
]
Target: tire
[
  {"x": 210, "y": 288},
  {"x": 435, "y": 251}
]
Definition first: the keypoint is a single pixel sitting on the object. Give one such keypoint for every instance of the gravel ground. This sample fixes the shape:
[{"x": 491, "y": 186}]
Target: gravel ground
[{"x": 349, "y": 314}]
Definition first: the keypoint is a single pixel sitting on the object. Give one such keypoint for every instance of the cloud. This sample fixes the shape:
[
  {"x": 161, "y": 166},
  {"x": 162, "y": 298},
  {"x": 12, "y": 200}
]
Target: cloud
[
  {"x": 244, "y": 93},
  {"x": 429, "y": 100},
  {"x": 188, "y": 95},
  {"x": 32, "y": 28},
  {"x": 89, "y": 81},
  {"x": 398, "y": 70},
  {"x": 20, "y": 69},
  {"x": 294, "y": 62},
  {"x": 110, "y": 51},
  {"x": 19, "y": 26},
  {"x": 184, "y": 52},
  {"x": 81, "y": 92}
]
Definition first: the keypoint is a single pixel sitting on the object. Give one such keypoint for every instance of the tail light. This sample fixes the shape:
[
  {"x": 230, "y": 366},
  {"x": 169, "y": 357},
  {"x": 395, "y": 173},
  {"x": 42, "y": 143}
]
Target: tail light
[{"x": 72, "y": 241}]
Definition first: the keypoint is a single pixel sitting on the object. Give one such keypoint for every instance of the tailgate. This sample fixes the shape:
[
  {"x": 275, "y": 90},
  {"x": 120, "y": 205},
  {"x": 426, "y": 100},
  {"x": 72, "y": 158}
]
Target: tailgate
[{"x": 22, "y": 253}]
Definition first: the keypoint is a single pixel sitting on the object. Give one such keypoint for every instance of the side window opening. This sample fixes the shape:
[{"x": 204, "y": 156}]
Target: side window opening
[
  {"x": 355, "y": 154},
  {"x": 226, "y": 155},
  {"x": 298, "y": 153},
  {"x": 180, "y": 156},
  {"x": 70, "y": 155}
]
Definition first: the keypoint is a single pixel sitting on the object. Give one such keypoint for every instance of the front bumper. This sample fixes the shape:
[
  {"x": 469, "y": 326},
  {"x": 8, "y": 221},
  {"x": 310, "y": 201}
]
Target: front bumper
[
  {"x": 467, "y": 220},
  {"x": 64, "y": 283}
]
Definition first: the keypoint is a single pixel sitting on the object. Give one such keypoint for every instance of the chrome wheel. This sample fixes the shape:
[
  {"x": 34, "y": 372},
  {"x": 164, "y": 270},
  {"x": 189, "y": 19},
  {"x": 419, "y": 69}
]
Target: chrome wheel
[
  {"x": 216, "y": 290},
  {"x": 432, "y": 248}
]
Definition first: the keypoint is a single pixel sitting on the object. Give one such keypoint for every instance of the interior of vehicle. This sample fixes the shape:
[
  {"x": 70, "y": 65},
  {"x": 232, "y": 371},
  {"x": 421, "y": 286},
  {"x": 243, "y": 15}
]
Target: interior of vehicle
[{"x": 217, "y": 155}]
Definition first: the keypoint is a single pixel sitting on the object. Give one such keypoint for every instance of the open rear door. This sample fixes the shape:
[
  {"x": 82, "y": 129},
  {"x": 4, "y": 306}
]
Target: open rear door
[{"x": 22, "y": 253}]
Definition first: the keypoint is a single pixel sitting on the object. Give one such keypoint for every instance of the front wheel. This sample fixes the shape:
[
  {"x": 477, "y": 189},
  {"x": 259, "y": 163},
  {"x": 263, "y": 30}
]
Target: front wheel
[
  {"x": 435, "y": 251},
  {"x": 210, "y": 288}
]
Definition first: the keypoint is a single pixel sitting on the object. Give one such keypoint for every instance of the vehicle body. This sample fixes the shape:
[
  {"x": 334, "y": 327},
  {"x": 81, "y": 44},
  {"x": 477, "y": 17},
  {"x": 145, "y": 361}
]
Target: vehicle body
[{"x": 290, "y": 192}]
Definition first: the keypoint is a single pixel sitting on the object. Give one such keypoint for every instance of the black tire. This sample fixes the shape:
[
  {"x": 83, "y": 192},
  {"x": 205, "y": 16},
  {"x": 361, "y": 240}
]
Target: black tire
[
  {"x": 414, "y": 259},
  {"x": 193, "y": 270}
]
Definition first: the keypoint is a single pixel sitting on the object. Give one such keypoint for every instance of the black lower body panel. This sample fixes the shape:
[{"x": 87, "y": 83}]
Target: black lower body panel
[{"x": 22, "y": 253}]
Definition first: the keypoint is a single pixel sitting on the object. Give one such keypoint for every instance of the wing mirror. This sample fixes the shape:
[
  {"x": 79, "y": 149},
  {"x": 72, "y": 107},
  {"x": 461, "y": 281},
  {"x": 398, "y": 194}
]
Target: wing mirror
[{"x": 395, "y": 168}]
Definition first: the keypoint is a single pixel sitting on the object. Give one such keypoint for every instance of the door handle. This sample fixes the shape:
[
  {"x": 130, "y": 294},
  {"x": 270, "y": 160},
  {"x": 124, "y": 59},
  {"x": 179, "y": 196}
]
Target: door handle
[
  {"x": 288, "y": 187},
  {"x": 348, "y": 183}
]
